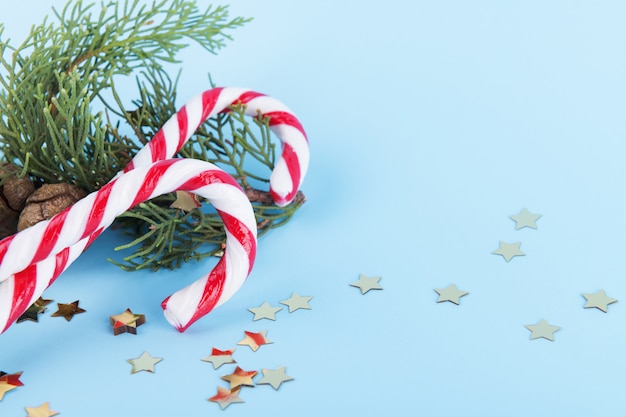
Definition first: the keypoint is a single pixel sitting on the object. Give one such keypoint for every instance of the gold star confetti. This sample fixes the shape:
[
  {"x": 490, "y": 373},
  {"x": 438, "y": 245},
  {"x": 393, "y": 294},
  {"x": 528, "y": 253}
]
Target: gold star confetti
[
  {"x": 509, "y": 250},
  {"x": 11, "y": 379},
  {"x": 265, "y": 311},
  {"x": 451, "y": 293},
  {"x": 32, "y": 313},
  {"x": 274, "y": 377},
  {"x": 42, "y": 411},
  {"x": 126, "y": 322},
  {"x": 220, "y": 357},
  {"x": 144, "y": 363},
  {"x": 68, "y": 310},
  {"x": 599, "y": 300},
  {"x": 542, "y": 329},
  {"x": 525, "y": 219},
  {"x": 296, "y": 302},
  {"x": 186, "y": 201},
  {"x": 240, "y": 378},
  {"x": 366, "y": 283},
  {"x": 226, "y": 397},
  {"x": 255, "y": 340}
]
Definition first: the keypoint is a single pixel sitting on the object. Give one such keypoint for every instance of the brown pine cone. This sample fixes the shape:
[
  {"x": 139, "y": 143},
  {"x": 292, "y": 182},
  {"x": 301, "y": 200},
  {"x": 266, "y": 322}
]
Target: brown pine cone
[
  {"x": 13, "y": 194},
  {"x": 47, "y": 201}
]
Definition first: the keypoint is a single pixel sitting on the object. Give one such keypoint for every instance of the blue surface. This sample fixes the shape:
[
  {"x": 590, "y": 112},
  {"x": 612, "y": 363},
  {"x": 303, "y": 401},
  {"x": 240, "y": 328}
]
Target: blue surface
[{"x": 430, "y": 123}]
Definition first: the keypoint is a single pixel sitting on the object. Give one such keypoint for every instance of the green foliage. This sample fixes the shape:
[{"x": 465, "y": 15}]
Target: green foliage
[{"x": 53, "y": 80}]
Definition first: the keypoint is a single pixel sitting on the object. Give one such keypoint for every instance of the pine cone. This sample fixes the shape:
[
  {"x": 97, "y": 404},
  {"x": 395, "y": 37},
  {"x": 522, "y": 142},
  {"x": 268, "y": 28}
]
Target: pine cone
[
  {"x": 13, "y": 194},
  {"x": 47, "y": 201}
]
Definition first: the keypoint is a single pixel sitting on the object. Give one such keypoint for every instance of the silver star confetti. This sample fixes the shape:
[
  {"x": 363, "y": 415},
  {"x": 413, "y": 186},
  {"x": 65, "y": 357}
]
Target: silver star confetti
[
  {"x": 509, "y": 250},
  {"x": 274, "y": 377},
  {"x": 265, "y": 311},
  {"x": 144, "y": 363},
  {"x": 542, "y": 329},
  {"x": 296, "y": 302},
  {"x": 525, "y": 219},
  {"x": 451, "y": 293},
  {"x": 219, "y": 357},
  {"x": 599, "y": 300},
  {"x": 366, "y": 283}
]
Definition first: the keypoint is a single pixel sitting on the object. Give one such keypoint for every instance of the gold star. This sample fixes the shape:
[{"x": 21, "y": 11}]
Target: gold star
[
  {"x": 226, "y": 397},
  {"x": 240, "y": 378},
  {"x": 599, "y": 300},
  {"x": 32, "y": 313},
  {"x": 542, "y": 329},
  {"x": 126, "y": 322},
  {"x": 265, "y": 311},
  {"x": 220, "y": 357},
  {"x": 42, "y": 411},
  {"x": 144, "y": 363},
  {"x": 366, "y": 283},
  {"x": 450, "y": 293},
  {"x": 274, "y": 377},
  {"x": 186, "y": 201},
  {"x": 525, "y": 219},
  {"x": 5, "y": 387},
  {"x": 296, "y": 302},
  {"x": 68, "y": 310},
  {"x": 509, "y": 250},
  {"x": 254, "y": 340}
]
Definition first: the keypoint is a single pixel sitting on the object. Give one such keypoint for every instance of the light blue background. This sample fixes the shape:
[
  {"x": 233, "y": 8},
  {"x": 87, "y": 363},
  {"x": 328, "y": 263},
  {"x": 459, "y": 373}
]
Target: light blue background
[{"x": 430, "y": 123}]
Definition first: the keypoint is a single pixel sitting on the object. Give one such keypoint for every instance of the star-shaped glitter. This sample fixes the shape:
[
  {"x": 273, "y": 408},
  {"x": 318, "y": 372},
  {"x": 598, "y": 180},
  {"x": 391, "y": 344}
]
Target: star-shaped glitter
[
  {"x": 599, "y": 300},
  {"x": 240, "y": 378},
  {"x": 34, "y": 310},
  {"x": 9, "y": 382},
  {"x": 126, "y": 322},
  {"x": 144, "y": 363},
  {"x": 542, "y": 329},
  {"x": 42, "y": 411},
  {"x": 186, "y": 201},
  {"x": 68, "y": 310},
  {"x": 525, "y": 219},
  {"x": 366, "y": 283},
  {"x": 509, "y": 250},
  {"x": 296, "y": 302},
  {"x": 274, "y": 377},
  {"x": 450, "y": 293},
  {"x": 220, "y": 357},
  {"x": 255, "y": 340},
  {"x": 226, "y": 397},
  {"x": 265, "y": 311}
]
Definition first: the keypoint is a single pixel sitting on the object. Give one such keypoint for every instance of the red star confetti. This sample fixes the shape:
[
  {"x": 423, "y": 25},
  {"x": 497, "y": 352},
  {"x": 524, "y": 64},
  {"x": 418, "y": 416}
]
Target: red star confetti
[
  {"x": 220, "y": 357},
  {"x": 9, "y": 382},
  {"x": 126, "y": 322},
  {"x": 255, "y": 340},
  {"x": 226, "y": 397},
  {"x": 42, "y": 411},
  {"x": 68, "y": 310},
  {"x": 240, "y": 378}
]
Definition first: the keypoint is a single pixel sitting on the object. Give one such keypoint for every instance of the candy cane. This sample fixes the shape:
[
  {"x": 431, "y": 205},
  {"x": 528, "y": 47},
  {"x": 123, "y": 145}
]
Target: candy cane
[
  {"x": 284, "y": 182},
  {"x": 291, "y": 167},
  {"x": 73, "y": 229}
]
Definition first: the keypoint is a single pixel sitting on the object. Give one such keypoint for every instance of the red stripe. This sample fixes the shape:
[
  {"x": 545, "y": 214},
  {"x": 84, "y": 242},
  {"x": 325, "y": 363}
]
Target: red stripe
[
  {"x": 247, "y": 97},
  {"x": 60, "y": 264},
  {"x": 157, "y": 146},
  {"x": 24, "y": 286},
  {"x": 209, "y": 100},
  {"x": 129, "y": 167},
  {"x": 4, "y": 246},
  {"x": 243, "y": 235},
  {"x": 293, "y": 165},
  {"x": 50, "y": 236},
  {"x": 285, "y": 118},
  {"x": 151, "y": 180},
  {"x": 207, "y": 177},
  {"x": 97, "y": 209},
  {"x": 183, "y": 125}
]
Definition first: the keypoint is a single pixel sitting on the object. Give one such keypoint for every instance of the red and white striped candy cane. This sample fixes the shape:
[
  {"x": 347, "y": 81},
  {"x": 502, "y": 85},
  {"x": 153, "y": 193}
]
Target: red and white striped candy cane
[
  {"x": 62, "y": 238},
  {"x": 19, "y": 289},
  {"x": 290, "y": 168}
]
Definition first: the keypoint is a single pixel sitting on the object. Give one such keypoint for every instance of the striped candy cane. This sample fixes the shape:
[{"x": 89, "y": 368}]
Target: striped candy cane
[
  {"x": 51, "y": 258},
  {"x": 73, "y": 229}
]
